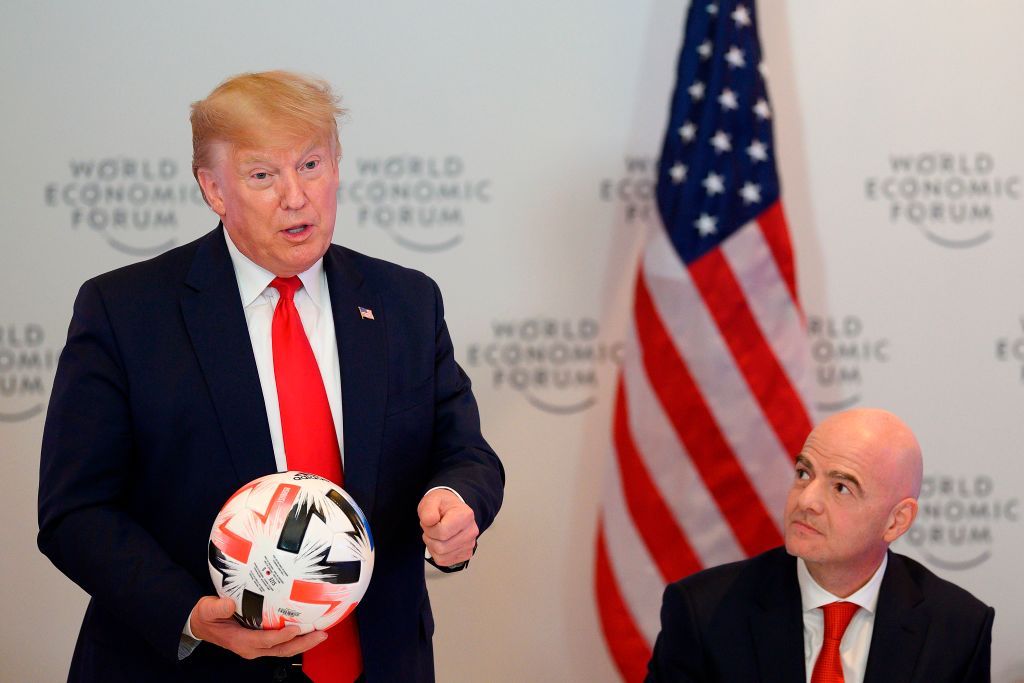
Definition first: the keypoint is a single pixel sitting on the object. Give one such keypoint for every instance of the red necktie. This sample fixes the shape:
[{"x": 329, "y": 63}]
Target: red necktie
[
  {"x": 829, "y": 667},
  {"x": 310, "y": 445}
]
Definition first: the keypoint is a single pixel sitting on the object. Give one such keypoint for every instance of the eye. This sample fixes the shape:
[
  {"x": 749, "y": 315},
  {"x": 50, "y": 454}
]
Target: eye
[
  {"x": 802, "y": 474},
  {"x": 842, "y": 489},
  {"x": 311, "y": 164},
  {"x": 259, "y": 175}
]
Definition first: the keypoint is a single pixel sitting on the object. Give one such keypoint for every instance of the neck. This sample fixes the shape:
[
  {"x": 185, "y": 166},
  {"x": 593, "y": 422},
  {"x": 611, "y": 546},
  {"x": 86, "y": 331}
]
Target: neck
[{"x": 844, "y": 580}]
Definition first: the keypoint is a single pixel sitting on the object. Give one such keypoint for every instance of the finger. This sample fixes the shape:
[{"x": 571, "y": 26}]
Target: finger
[
  {"x": 429, "y": 512},
  {"x": 251, "y": 644},
  {"x": 297, "y": 645},
  {"x": 452, "y": 523},
  {"x": 266, "y": 640},
  {"x": 465, "y": 538},
  {"x": 211, "y": 608}
]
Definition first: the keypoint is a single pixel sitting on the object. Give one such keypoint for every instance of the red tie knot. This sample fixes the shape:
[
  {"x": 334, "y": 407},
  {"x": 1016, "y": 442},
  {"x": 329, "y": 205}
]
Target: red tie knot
[
  {"x": 837, "y": 618},
  {"x": 287, "y": 286}
]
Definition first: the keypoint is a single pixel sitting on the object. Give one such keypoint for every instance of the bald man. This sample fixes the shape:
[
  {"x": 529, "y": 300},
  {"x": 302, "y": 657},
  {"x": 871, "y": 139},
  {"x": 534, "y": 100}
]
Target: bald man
[{"x": 834, "y": 604}]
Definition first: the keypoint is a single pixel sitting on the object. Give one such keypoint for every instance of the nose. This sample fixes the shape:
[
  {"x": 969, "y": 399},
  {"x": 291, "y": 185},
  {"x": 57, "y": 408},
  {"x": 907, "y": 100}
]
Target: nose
[
  {"x": 291, "y": 191},
  {"x": 810, "y": 498}
]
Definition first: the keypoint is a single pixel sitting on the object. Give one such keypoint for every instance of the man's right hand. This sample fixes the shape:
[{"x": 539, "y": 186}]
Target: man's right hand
[{"x": 211, "y": 621}]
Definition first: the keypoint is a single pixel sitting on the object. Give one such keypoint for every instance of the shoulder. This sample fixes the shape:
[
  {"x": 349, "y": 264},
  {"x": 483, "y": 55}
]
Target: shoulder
[
  {"x": 172, "y": 266},
  {"x": 735, "y": 582},
  {"x": 943, "y": 597},
  {"x": 376, "y": 269},
  {"x": 396, "y": 283}
]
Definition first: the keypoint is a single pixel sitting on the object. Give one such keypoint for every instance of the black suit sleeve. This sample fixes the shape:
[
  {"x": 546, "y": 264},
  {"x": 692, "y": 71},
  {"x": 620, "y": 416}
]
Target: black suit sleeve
[
  {"x": 462, "y": 458},
  {"x": 88, "y": 456},
  {"x": 678, "y": 651},
  {"x": 980, "y": 668}
]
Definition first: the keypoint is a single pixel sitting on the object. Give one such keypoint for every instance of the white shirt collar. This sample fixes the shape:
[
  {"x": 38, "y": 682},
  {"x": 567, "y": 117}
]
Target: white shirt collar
[
  {"x": 813, "y": 596},
  {"x": 254, "y": 279}
]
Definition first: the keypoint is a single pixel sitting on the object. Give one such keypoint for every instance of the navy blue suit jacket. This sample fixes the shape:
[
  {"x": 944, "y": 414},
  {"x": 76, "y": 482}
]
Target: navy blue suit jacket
[
  {"x": 743, "y": 622},
  {"x": 157, "y": 417}
]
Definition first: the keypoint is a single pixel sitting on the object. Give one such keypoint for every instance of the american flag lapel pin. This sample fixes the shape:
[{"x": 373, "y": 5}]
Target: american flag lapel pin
[{"x": 365, "y": 313}]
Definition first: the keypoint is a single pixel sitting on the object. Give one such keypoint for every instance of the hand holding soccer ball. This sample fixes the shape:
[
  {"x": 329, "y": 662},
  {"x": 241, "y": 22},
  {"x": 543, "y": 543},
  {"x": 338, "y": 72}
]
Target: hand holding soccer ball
[{"x": 290, "y": 550}]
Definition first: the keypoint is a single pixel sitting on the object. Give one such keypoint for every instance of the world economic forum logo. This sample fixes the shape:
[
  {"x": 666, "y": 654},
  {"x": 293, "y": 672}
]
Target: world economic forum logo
[
  {"x": 1010, "y": 349},
  {"x": 951, "y": 197},
  {"x": 423, "y": 203},
  {"x": 958, "y": 519},
  {"x": 552, "y": 363},
  {"x": 633, "y": 190},
  {"x": 844, "y": 353},
  {"x": 27, "y": 364},
  {"x": 133, "y": 204}
]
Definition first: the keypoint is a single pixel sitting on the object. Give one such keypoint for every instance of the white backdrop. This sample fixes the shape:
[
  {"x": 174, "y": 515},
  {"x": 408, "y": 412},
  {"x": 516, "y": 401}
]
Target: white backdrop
[{"x": 507, "y": 151}]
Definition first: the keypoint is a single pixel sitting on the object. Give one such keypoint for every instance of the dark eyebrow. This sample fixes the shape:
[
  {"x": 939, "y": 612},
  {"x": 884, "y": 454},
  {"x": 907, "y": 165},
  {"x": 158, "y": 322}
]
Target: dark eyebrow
[
  {"x": 843, "y": 476},
  {"x": 801, "y": 460}
]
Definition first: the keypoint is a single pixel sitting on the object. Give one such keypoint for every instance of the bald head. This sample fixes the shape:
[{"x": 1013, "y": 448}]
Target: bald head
[
  {"x": 858, "y": 476},
  {"x": 881, "y": 441}
]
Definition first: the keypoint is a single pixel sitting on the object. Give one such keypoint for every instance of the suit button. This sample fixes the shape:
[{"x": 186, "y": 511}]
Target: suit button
[{"x": 281, "y": 672}]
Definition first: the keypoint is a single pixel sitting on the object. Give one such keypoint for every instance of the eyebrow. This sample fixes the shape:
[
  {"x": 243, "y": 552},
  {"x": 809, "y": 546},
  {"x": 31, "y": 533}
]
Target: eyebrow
[
  {"x": 253, "y": 159},
  {"x": 832, "y": 474},
  {"x": 843, "y": 476},
  {"x": 257, "y": 159}
]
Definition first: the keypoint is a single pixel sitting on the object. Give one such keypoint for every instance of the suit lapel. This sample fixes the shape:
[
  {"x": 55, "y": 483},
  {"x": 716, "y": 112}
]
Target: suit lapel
[
  {"x": 777, "y": 626},
  {"x": 364, "y": 380},
  {"x": 215, "y": 321},
  {"x": 900, "y": 627}
]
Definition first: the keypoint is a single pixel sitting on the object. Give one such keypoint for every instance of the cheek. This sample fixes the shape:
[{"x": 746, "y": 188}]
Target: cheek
[{"x": 792, "y": 500}]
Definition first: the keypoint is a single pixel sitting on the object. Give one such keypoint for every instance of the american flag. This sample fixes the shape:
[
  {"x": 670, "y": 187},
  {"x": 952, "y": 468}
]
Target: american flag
[{"x": 709, "y": 409}]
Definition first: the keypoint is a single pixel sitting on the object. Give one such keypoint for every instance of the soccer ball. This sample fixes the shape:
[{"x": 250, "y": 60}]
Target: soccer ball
[{"x": 291, "y": 549}]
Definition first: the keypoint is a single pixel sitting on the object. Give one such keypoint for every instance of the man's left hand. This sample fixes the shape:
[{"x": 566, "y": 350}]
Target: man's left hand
[{"x": 449, "y": 527}]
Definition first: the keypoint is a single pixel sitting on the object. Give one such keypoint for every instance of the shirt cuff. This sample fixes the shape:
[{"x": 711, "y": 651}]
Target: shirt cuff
[
  {"x": 447, "y": 488},
  {"x": 188, "y": 642}
]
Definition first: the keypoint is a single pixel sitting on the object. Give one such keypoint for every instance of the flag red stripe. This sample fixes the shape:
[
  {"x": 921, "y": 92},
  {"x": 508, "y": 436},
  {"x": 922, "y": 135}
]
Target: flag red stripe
[
  {"x": 776, "y": 234},
  {"x": 628, "y": 646},
  {"x": 655, "y": 522},
  {"x": 685, "y": 408},
  {"x": 767, "y": 380}
]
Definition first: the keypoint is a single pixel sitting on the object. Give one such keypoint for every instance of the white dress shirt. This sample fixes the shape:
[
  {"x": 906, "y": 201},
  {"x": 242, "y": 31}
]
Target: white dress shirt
[
  {"x": 313, "y": 302},
  {"x": 853, "y": 649}
]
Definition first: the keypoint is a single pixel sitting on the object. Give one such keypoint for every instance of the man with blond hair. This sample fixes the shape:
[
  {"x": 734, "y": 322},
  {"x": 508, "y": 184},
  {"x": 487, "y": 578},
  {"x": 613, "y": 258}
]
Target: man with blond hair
[
  {"x": 833, "y": 605},
  {"x": 255, "y": 348}
]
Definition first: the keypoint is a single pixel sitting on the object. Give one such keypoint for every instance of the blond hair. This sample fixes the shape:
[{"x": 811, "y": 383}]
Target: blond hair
[{"x": 258, "y": 109}]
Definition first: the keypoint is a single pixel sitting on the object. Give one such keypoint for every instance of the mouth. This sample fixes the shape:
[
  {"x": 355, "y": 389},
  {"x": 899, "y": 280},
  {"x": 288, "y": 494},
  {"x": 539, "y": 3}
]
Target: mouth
[
  {"x": 803, "y": 527},
  {"x": 298, "y": 230}
]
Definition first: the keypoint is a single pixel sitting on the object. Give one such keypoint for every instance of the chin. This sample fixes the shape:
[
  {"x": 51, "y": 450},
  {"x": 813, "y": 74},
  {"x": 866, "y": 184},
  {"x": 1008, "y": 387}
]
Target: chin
[{"x": 799, "y": 547}]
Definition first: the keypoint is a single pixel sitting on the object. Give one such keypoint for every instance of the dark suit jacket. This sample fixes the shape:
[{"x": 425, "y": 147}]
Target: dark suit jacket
[
  {"x": 157, "y": 416},
  {"x": 743, "y": 622}
]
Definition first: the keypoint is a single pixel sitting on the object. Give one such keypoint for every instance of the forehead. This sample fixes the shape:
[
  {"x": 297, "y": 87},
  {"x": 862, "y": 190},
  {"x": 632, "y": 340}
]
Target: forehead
[
  {"x": 830, "y": 450},
  {"x": 272, "y": 150}
]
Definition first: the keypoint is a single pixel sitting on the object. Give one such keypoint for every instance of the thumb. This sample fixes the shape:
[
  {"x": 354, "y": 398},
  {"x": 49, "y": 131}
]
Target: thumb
[
  {"x": 430, "y": 512},
  {"x": 218, "y": 608}
]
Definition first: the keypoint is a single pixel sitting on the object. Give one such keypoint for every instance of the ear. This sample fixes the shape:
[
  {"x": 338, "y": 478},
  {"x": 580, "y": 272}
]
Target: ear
[
  {"x": 210, "y": 186},
  {"x": 900, "y": 519}
]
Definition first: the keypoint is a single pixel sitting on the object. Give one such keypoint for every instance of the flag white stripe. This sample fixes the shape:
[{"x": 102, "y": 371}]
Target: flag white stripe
[
  {"x": 673, "y": 473},
  {"x": 725, "y": 391},
  {"x": 634, "y": 571},
  {"x": 753, "y": 263}
]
